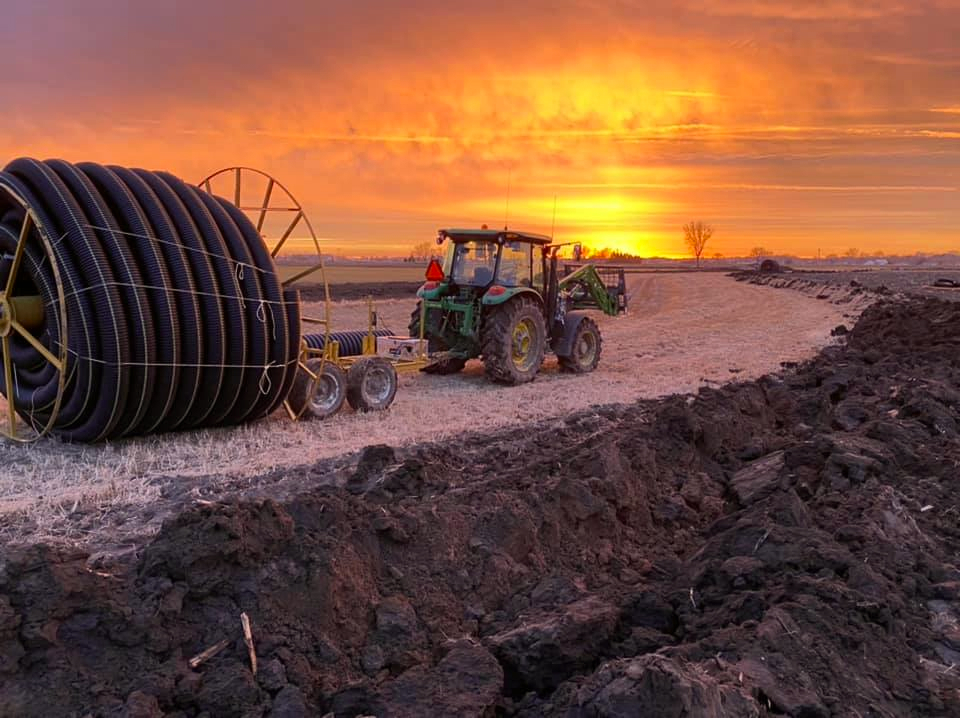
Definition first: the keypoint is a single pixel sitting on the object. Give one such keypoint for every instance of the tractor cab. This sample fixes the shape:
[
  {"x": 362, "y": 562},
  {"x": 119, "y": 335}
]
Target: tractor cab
[{"x": 481, "y": 259}]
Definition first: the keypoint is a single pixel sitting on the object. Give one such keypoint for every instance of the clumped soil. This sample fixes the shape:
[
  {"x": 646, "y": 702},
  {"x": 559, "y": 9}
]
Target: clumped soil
[{"x": 787, "y": 546}]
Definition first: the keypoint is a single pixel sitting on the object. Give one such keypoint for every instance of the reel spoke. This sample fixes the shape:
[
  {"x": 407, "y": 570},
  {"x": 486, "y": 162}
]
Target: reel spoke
[
  {"x": 264, "y": 207},
  {"x": 273, "y": 199},
  {"x": 304, "y": 368},
  {"x": 18, "y": 255},
  {"x": 35, "y": 343},
  {"x": 301, "y": 275},
  {"x": 8, "y": 378},
  {"x": 286, "y": 235}
]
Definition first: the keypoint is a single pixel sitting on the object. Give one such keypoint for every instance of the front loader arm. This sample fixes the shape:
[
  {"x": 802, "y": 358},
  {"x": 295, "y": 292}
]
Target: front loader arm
[{"x": 585, "y": 289}]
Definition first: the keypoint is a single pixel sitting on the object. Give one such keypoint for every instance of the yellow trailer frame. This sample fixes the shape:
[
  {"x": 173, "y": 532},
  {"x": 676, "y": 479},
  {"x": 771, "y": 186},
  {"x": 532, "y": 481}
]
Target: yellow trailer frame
[{"x": 331, "y": 353}]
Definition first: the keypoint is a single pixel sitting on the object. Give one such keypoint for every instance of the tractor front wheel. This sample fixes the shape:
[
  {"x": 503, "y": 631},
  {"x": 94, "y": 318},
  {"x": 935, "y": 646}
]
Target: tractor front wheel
[
  {"x": 584, "y": 349},
  {"x": 514, "y": 339}
]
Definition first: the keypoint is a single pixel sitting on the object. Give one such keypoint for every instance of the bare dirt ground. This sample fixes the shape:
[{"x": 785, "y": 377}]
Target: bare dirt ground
[
  {"x": 684, "y": 331},
  {"x": 780, "y": 547}
]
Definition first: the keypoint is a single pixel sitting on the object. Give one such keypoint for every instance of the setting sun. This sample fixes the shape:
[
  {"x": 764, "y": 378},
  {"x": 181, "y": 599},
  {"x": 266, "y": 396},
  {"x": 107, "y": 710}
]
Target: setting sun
[{"x": 780, "y": 126}]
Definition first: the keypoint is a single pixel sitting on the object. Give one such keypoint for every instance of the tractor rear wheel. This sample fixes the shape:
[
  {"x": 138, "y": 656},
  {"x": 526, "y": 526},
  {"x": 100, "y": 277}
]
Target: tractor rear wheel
[
  {"x": 584, "y": 350},
  {"x": 514, "y": 339},
  {"x": 329, "y": 395},
  {"x": 371, "y": 384}
]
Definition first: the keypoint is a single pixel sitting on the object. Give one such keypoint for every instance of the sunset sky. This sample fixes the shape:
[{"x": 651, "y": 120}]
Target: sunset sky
[{"x": 799, "y": 126}]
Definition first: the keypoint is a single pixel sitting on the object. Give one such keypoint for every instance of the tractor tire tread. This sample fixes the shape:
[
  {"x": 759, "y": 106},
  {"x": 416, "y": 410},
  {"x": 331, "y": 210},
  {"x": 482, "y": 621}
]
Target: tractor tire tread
[
  {"x": 570, "y": 363},
  {"x": 496, "y": 341}
]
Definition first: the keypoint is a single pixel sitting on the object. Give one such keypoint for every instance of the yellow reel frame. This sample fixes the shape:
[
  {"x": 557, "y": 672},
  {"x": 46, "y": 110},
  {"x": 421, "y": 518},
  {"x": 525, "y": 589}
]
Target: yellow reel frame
[
  {"x": 23, "y": 315},
  {"x": 238, "y": 184}
]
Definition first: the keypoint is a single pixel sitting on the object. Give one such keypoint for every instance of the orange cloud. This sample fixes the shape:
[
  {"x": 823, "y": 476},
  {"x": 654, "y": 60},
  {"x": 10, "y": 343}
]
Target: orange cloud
[{"x": 782, "y": 125}]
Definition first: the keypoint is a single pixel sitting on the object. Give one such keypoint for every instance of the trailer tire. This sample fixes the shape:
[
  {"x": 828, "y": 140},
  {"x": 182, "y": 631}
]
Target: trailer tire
[
  {"x": 371, "y": 384},
  {"x": 331, "y": 390},
  {"x": 584, "y": 348}
]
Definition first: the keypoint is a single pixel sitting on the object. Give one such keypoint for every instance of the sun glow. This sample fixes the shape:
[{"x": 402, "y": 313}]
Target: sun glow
[{"x": 638, "y": 121}]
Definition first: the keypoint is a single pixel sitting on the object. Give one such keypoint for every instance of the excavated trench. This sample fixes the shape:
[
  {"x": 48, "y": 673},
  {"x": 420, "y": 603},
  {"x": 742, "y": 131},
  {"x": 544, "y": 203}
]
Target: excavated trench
[{"x": 781, "y": 547}]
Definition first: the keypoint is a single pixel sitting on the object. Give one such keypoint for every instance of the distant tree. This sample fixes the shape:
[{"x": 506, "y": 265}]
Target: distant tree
[
  {"x": 696, "y": 235},
  {"x": 878, "y": 253},
  {"x": 608, "y": 253},
  {"x": 853, "y": 253},
  {"x": 421, "y": 252},
  {"x": 717, "y": 255}
]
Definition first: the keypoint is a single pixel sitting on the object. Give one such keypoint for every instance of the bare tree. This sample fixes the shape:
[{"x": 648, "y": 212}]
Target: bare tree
[
  {"x": 421, "y": 251},
  {"x": 759, "y": 252},
  {"x": 853, "y": 253},
  {"x": 696, "y": 235}
]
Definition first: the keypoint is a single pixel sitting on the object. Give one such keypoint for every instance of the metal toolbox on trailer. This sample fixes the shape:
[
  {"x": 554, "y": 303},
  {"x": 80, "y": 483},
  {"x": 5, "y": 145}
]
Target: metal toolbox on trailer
[{"x": 399, "y": 348}]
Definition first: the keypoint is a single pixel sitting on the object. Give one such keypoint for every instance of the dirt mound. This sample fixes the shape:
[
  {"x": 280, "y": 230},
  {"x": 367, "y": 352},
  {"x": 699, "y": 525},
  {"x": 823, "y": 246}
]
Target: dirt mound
[
  {"x": 781, "y": 547},
  {"x": 834, "y": 292}
]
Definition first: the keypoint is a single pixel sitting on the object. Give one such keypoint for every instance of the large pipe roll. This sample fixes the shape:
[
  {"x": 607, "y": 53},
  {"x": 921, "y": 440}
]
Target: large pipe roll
[{"x": 132, "y": 302}]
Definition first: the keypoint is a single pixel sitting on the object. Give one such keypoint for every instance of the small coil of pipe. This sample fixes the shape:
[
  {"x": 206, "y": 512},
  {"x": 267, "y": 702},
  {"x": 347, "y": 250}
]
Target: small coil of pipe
[
  {"x": 351, "y": 343},
  {"x": 135, "y": 303}
]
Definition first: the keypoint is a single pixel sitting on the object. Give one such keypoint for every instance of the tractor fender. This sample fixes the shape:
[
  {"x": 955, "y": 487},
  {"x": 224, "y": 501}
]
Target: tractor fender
[
  {"x": 510, "y": 293},
  {"x": 424, "y": 293},
  {"x": 564, "y": 345}
]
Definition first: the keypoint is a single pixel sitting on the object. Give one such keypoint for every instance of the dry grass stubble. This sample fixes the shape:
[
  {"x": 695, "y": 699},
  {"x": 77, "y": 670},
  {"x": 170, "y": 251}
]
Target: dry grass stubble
[{"x": 683, "y": 331}]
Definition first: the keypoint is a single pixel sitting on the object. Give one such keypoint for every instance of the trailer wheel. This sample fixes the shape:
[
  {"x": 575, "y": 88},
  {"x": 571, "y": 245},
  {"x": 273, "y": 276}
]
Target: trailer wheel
[
  {"x": 371, "y": 384},
  {"x": 331, "y": 390},
  {"x": 584, "y": 349}
]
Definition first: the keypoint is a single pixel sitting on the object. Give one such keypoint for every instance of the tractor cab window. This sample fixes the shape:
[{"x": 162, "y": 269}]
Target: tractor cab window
[
  {"x": 539, "y": 270},
  {"x": 515, "y": 265},
  {"x": 474, "y": 263}
]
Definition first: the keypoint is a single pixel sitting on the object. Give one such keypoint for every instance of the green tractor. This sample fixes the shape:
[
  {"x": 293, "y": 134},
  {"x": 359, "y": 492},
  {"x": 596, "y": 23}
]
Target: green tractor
[{"x": 498, "y": 296}]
